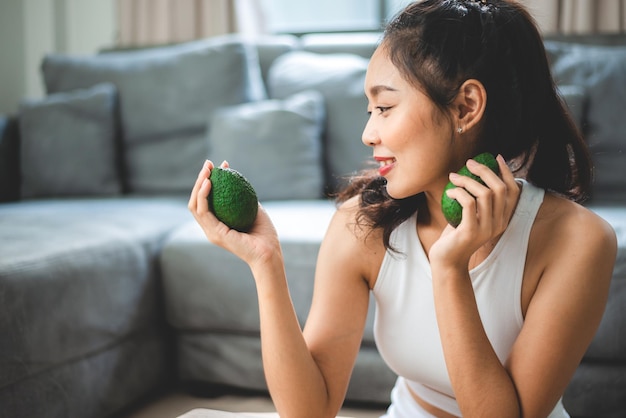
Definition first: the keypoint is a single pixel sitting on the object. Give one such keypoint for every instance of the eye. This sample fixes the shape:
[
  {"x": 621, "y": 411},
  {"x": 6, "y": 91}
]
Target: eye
[{"x": 380, "y": 109}]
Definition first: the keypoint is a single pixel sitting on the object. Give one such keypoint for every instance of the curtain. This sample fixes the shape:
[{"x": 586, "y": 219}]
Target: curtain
[
  {"x": 156, "y": 22},
  {"x": 579, "y": 16}
]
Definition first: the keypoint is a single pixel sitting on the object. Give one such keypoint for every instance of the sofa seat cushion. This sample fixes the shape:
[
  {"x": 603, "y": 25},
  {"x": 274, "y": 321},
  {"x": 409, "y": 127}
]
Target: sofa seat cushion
[
  {"x": 78, "y": 277},
  {"x": 235, "y": 360},
  {"x": 210, "y": 290},
  {"x": 211, "y": 303}
]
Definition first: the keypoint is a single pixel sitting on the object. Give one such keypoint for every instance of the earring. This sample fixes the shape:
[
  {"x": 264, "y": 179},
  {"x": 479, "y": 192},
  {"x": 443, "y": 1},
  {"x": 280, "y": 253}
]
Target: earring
[{"x": 460, "y": 130}]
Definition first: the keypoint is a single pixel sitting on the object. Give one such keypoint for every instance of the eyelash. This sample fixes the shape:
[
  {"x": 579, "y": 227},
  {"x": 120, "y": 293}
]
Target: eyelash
[{"x": 381, "y": 110}]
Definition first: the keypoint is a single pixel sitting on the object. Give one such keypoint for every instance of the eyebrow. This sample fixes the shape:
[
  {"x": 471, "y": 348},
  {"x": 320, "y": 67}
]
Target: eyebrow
[{"x": 376, "y": 90}]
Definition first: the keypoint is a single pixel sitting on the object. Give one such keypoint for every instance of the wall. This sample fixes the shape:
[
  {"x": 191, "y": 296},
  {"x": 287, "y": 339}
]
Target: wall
[{"x": 29, "y": 29}]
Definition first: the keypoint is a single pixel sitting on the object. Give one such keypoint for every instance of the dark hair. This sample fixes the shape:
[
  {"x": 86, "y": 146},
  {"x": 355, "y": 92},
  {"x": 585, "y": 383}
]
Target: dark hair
[{"x": 439, "y": 44}]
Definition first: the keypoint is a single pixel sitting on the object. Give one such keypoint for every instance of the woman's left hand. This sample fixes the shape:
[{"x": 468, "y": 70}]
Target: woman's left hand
[{"x": 487, "y": 211}]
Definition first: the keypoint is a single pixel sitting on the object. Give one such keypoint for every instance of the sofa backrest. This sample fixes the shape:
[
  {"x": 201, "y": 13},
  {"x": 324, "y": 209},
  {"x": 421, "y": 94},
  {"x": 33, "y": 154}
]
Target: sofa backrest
[{"x": 167, "y": 97}]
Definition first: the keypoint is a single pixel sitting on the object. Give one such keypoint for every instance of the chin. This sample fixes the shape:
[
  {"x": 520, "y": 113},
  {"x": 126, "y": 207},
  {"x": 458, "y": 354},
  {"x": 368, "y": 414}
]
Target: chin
[
  {"x": 401, "y": 191},
  {"x": 398, "y": 194}
]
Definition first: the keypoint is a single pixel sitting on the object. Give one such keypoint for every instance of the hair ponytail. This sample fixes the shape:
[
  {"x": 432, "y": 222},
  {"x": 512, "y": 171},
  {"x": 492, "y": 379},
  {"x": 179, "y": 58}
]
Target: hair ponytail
[{"x": 556, "y": 158}]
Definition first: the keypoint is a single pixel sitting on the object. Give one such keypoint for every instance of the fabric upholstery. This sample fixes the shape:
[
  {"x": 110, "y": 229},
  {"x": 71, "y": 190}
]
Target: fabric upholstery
[
  {"x": 340, "y": 78},
  {"x": 9, "y": 159},
  {"x": 188, "y": 261},
  {"x": 241, "y": 365},
  {"x": 602, "y": 72},
  {"x": 597, "y": 390},
  {"x": 275, "y": 144},
  {"x": 271, "y": 47},
  {"x": 165, "y": 96},
  {"x": 80, "y": 298},
  {"x": 218, "y": 323},
  {"x": 99, "y": 384},
  {"x": 362, "y": 44},
  {"x": 68, "y": 144}
]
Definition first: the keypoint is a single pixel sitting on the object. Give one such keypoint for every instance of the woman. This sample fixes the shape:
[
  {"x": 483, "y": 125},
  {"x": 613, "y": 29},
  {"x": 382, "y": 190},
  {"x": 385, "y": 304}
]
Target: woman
[{"x": 490, "y": 318}]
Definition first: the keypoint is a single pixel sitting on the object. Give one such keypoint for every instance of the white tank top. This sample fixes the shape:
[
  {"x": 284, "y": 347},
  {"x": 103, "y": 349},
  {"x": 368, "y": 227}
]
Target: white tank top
[{"x": 405, "y": 327}]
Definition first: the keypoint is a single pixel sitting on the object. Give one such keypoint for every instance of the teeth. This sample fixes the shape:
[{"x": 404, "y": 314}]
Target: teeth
[{"x": 387, "y": 162}]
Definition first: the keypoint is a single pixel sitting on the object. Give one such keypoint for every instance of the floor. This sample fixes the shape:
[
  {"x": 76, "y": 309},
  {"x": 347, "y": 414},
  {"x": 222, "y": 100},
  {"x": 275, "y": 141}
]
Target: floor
[{"x": 174, "y": 404}]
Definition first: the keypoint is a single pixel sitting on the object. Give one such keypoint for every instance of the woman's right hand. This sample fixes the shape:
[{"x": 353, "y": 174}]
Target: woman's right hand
[{"x": 257, "y": 247}]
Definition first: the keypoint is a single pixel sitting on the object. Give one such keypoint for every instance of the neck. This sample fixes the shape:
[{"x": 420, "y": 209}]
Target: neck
[{"x": 430, "y": 214}]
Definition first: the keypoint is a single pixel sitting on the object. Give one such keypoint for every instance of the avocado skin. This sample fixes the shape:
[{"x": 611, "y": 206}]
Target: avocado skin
[
  {"x": 232, "y": 199},
  {"x": 452, "y": 210}
]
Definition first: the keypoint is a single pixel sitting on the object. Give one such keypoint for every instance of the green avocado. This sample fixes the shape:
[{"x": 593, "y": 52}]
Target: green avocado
[
  {"x": 232, "y": 199},
  {"x": 452, "y": 210}
]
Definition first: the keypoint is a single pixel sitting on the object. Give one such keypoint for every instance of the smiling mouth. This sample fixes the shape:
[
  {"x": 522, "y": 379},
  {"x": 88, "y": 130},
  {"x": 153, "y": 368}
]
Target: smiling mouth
[
  {"x": 385, "y": 165},
  {"x": 387, "y": 162}
]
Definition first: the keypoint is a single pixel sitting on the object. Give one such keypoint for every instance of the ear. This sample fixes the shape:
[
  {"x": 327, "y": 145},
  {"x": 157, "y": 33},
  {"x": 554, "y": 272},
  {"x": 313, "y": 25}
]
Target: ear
[{"x": 469, "y": 104}]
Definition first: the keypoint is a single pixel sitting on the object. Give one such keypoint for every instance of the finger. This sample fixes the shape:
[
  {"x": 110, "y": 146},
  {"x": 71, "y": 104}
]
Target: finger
[
  {"x": 492, "y": 199},
  {"x": 485, "y": 173},
  {"x": 512, "y": 187},
  {"x": 467, "y": 202},
  {"x": 505, "y": 172},
  {"x": 467, "y": 183},
  {"x": 202, "y": 201},
  {"x": 204, "y": 173},
  {"x": 225, "y": 164}
]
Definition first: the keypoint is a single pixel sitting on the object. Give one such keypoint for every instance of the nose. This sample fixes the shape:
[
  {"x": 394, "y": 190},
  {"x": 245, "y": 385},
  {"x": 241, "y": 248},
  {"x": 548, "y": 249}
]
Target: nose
[{"x": 370, "y": 135}]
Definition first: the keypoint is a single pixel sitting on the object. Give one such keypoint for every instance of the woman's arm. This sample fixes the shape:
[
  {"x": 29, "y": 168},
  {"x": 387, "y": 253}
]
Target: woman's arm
[
  {"x": 306, "y": 377},
  {"x": 333, "y": 330}
]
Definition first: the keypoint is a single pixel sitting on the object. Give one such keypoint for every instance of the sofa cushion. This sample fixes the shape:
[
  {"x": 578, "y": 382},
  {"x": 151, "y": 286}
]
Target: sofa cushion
[
  {"x": 276, "y": 144},
  {"x": 166, "y": 94},
  {"x": 67, "y": 145},
  {"x": 340, "y": 78},
  {"x": 217, "y": 324},
  {"x": 602, "y": 72},
  {"x": 224, "y": 299},
  {"x": 78, "y": 277},
  {"x": 9, "y": 159}
]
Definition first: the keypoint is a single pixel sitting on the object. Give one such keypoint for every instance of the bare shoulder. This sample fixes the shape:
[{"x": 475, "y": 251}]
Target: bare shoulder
[
  {"x": 566, "y": 221},
  {"x": 566, "y": 233},
  {"x": 350, "y": 238}
]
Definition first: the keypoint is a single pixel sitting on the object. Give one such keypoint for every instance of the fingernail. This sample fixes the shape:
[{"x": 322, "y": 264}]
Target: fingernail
[
  {"x": 206, "y": 164},
  {"x": 454, "y": 176},
  {"x": 471, "y": 163}
]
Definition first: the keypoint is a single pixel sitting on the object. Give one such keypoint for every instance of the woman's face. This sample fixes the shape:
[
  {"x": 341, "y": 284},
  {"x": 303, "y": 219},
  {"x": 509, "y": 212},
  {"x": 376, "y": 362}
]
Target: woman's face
[{"x": 410, "y": 137}]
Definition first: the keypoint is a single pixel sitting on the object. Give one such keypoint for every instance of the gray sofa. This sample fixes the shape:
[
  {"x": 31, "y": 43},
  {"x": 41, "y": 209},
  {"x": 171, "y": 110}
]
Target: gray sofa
[{"x": 109, "y": 293}]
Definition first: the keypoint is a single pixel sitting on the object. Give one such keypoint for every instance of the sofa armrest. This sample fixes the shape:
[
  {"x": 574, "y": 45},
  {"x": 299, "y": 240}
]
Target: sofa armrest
[{"x": 9, "y": 159}]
